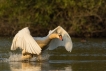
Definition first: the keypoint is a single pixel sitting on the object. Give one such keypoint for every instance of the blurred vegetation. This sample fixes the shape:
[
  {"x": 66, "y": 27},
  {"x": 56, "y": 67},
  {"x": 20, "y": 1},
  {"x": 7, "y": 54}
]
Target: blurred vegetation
[{"x": 81, "y": 18}]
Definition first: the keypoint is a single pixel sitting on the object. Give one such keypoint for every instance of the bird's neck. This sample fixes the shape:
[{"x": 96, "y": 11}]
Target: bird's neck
[{"x": 44, "y": 41}]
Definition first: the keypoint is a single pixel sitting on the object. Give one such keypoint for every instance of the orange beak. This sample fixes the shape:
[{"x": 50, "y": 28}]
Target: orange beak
[{"x": 60, "y": 37}]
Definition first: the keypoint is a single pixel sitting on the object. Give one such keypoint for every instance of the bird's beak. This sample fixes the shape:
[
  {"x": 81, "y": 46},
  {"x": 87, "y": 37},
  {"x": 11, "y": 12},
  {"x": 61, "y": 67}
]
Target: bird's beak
[{"x": 60, "y": 37}]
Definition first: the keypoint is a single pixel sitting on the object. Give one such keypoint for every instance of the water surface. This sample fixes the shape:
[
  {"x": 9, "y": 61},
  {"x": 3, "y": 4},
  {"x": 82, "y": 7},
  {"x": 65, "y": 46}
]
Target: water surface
[{"x": 85, "y": 56}]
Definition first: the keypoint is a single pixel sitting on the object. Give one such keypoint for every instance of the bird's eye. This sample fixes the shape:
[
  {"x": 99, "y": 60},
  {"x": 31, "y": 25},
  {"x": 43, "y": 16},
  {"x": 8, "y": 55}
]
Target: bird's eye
[{"x": 60, "y": 35}]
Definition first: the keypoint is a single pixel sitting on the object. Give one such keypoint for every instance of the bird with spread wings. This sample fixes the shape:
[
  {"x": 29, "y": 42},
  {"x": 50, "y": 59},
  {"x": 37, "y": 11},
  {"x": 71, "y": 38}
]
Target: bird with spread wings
[{"x": 36, "y": 45}]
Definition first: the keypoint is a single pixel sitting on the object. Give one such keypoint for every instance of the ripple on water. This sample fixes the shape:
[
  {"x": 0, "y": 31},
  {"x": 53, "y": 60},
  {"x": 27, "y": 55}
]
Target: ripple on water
[{"x": 13, "y": 57}]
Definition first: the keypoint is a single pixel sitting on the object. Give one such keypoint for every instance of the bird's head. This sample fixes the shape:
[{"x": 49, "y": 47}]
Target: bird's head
[
  {"x": 60, "y": 37},
  {"x": 55, "y": 35}
]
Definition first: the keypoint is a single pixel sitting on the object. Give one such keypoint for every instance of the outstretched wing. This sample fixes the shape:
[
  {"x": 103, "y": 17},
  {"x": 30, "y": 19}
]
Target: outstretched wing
[
  {"x": 25, "y": 41},
  {"x": 67, "y": 42}
]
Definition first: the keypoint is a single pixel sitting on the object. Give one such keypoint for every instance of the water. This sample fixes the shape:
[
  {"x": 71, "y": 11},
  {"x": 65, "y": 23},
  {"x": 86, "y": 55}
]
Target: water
[{"x": 85, "y": 56}]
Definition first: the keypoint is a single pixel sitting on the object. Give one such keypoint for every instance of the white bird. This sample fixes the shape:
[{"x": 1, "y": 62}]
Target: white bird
[{"x": 35, "y": 45}]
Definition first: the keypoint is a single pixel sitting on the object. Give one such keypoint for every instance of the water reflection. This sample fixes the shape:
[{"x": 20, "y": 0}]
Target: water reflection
[
  {"x": 87, "y": 56},
  {"x": 25, "y": 66},
  {"x": 59, "y": 66},
  {"x": 38, "y": 66}
]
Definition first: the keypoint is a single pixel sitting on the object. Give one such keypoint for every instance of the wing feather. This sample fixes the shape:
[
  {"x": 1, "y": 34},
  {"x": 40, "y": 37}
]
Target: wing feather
[
  {"x": 25, "y": 41},
  {"x": 67, "y": 42}
]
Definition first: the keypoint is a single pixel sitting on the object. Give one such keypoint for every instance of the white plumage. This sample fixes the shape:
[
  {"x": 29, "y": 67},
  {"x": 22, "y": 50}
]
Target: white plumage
[
  {"x": 67, "y": 42},
  {"x": 34, "y": 45},
  {"x": 25, "y": 41}
]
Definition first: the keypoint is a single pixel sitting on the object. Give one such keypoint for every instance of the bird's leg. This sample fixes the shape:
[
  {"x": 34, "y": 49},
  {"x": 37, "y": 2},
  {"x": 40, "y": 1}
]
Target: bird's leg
[
  {"x": 39, "y": 57},
  {"x": 23, "y": 52},
  {"x": 26, "y": 56}
]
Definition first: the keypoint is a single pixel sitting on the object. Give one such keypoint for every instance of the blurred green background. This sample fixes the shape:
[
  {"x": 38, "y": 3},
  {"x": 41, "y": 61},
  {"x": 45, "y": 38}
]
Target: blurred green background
[{"x": 80, "y": 18}]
